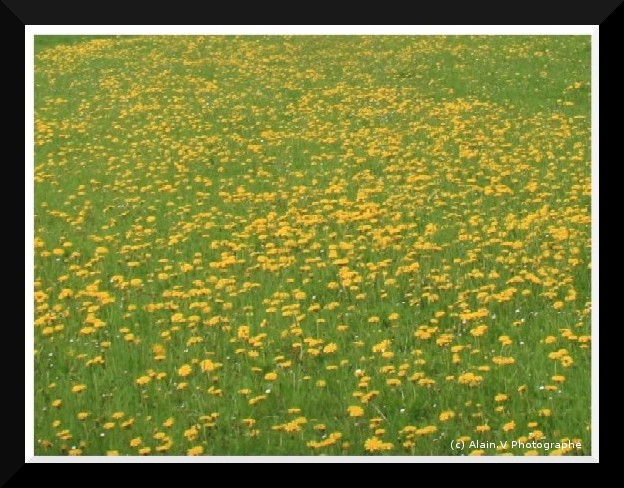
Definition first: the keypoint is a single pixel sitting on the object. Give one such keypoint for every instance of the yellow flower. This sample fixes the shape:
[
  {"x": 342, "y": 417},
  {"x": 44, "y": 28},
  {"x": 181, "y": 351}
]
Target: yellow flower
[
  {"x": 429, "y": 429},
  {"x": 479, "y": 330},
  {"x": 469, "y": 379},
  {"x": 355, "y": 411},
  {"x": 208, "y": 366},
  {"x": 136, "y": 442},
  {"x": 191, "y": 433},
  {"x": 65, "y": 293},
  {"x": 195, "y": 451},
  {"x": 567, "y": 361},
  {"x": 257, "y": 399},
  {"x": 375, "y": 444},
  {"x": 270, "y": 376},
  {"x": 446, "y": 415},
  {"x": 536, "y": 435},
  {"x": 185, "y": 370},
  {"x": 503, "y": 360}
]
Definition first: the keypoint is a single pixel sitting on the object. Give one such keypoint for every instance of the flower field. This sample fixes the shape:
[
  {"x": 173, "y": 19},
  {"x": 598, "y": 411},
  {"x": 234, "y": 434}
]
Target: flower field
[{"x": 312, "y": 245}]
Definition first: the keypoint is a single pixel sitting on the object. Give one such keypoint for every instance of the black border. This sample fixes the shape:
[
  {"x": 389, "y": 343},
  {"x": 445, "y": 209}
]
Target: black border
[
  {"x": 15, "y": 14},
  {"x": 111, "y": 12}
]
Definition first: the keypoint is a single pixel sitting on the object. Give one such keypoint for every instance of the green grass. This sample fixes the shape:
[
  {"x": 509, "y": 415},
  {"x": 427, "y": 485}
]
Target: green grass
[
  {"x": 334, "y": 210},
  {"x": 49, "y": 41}
]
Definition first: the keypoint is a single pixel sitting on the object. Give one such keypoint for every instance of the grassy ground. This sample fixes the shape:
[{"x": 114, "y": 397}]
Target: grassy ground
[
  {"x": 312, "y": 245},
  {"x": 49, "y": 41}
]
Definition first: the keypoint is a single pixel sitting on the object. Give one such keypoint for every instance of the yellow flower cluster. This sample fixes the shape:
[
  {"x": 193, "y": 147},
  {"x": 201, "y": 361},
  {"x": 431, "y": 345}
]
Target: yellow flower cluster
[{"x": 311, "y": 245}]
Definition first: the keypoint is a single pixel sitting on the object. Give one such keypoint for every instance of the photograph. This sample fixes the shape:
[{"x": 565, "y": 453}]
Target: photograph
[{"x": 317, "y": 245}]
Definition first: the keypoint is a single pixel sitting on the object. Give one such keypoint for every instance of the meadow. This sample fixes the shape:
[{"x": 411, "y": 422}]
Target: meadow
[{"x": 312, "y": 245}]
